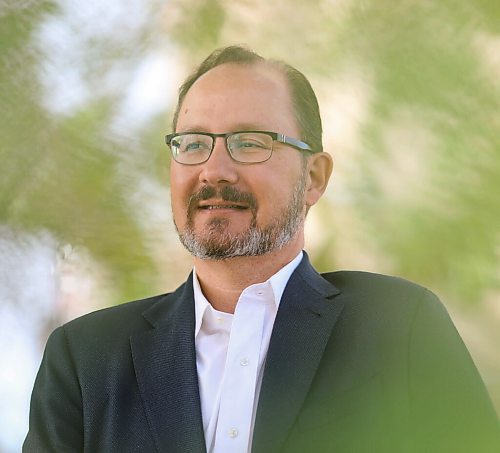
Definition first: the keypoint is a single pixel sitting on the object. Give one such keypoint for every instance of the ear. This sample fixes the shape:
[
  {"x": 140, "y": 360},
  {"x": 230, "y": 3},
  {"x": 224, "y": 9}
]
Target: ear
[{"x": 320, "y": 166}]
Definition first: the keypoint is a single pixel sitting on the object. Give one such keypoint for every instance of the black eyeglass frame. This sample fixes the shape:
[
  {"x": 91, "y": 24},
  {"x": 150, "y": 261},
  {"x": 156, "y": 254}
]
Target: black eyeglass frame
[{"x": 276, "y": 136}]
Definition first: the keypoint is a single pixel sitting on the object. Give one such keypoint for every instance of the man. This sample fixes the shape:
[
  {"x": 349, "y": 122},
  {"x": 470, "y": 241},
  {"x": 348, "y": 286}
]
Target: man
[{"x": 257, "y": 351}]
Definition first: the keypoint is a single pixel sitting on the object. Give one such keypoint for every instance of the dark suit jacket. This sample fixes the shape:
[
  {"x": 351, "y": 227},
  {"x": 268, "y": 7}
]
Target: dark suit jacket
[{"x": 357, "y": 362}]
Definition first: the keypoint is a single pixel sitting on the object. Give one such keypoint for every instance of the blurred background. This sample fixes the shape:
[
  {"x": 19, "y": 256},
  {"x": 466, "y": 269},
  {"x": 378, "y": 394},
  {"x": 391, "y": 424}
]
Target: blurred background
[{"x": 410, "y": 98}]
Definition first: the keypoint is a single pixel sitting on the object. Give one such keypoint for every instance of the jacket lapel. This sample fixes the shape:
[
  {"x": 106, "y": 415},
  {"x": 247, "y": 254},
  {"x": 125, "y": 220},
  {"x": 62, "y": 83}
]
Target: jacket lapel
[
  {"x": 165, "y": 366},
  {"x": 303, "y": 325}
]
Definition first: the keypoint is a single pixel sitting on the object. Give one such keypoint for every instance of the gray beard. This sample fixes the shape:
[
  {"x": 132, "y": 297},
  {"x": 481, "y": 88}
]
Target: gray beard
[{"x": 216, "y": 243}]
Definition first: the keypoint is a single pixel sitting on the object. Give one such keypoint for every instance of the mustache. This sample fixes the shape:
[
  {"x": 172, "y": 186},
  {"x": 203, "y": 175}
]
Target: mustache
[{"x": 226, "y": 193}]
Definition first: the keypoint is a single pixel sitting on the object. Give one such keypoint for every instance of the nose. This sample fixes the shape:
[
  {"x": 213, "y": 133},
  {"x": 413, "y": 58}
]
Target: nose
[{"x": 220, "y": 168}]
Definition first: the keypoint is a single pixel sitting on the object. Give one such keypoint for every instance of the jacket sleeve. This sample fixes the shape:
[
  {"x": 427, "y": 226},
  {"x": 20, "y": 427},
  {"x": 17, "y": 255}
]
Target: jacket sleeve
[
  {"x": 55, "y": 421},
  {"x": 451, "y": 409}
]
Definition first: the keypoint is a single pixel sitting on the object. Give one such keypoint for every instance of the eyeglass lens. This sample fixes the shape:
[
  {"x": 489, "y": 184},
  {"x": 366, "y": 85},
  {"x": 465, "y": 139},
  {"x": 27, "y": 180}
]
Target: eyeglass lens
[{"x": 245, "y": 147}]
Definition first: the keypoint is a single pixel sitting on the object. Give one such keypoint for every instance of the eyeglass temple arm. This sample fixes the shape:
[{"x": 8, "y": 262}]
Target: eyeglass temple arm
[{"x": 293, "y": 142}]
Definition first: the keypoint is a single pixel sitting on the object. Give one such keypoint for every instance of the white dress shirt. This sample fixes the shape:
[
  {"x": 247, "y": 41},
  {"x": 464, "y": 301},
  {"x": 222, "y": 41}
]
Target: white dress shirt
[{"x": 230, "y": 354}]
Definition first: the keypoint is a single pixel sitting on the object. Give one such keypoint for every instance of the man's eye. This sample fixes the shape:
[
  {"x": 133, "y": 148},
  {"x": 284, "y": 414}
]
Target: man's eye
[
  {"x": 194, "y": 146},
  {"x": 248, "y": 145}
]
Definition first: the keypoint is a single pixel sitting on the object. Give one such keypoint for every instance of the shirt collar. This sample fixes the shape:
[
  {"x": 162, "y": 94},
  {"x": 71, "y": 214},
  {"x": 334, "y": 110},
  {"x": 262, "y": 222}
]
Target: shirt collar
[
  {"x": 200, "y": 303},
  {"x": 280, "y": 279},
  {"x": 278, "y": 283}
]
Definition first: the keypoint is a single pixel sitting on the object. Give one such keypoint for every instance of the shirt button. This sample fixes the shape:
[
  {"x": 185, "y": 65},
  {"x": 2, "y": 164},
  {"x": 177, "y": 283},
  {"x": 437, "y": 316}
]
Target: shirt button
[
  {"x": 233, "y": 432},
  {"x": 220, "y": 320},
  {"x": 259, "y": 293},
  {"x": 244, "y": 361}
]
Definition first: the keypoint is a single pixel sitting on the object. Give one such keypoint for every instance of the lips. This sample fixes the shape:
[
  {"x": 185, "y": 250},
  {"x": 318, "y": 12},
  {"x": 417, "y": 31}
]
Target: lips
[
  {"x": 213, "y": 206},
  {"x": 227, "y": 198}
]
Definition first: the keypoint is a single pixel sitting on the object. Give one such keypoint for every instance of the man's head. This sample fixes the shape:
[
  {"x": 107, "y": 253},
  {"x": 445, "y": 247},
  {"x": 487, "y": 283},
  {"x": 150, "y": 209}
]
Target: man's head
[
  {"x": 223, "y": 207},
  {"x": 303, "y": 98}
]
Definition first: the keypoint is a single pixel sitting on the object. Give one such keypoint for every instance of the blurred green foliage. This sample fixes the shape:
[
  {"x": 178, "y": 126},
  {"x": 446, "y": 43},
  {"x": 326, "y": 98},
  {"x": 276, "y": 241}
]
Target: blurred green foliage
[
  {"x": 59, "y": 173},
  {"x": 431, "y": 129},
  {"x": 427, "y": 64}
]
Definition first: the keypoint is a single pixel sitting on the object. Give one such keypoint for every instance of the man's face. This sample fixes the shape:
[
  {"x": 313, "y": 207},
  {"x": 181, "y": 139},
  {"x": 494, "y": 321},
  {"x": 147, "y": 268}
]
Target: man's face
[{"x": 223, "y": 208}]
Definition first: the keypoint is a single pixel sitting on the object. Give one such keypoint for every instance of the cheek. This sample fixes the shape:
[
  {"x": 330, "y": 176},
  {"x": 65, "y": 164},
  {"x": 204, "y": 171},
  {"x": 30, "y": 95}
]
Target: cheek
[
  {"x": 271, "y": 201},
  {"x": 178, "y": 213},
  {"x": 180, "y": 190},
  {"x": 281, "y": 182},
  {"x": 182, "y": 182},
  {"x": 175, "y": 198}
]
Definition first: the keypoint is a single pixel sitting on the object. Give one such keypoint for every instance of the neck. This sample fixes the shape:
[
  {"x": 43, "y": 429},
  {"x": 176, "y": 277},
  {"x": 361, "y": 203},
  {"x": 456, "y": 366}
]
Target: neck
[{"x": 223, "y": 281}]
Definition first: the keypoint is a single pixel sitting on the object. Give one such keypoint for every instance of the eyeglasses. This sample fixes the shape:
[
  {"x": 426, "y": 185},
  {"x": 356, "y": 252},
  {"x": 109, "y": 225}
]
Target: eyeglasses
[{"x": 248, "y": 147}]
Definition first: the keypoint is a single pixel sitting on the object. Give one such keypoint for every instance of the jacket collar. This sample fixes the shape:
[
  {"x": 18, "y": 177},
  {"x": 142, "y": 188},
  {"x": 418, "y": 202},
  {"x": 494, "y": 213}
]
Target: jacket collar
[
  {"x": 165, "y": 366},
  {"x": 305, "y": 319}
]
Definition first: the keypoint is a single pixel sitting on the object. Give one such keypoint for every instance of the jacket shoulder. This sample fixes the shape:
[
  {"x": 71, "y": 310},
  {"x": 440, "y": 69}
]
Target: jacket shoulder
[
  {"x": 369, "y": 294},
  {"x": 345, "y": 278},
  {"x": 130, "y": 308},
  {"x": 375, "y": 284},
  {"x": 113, "y": 322}
]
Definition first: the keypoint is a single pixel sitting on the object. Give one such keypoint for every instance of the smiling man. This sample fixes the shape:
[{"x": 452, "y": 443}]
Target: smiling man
[{"x": 257, "y": 351}]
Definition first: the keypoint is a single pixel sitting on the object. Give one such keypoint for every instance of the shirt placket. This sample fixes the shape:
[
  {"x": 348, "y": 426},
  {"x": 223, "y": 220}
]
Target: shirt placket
[{"x": 240, "y": 377}]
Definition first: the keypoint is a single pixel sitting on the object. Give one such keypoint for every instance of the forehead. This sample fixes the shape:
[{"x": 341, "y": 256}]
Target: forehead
[{"x": 238, "y": 96}]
